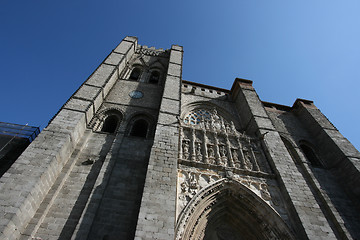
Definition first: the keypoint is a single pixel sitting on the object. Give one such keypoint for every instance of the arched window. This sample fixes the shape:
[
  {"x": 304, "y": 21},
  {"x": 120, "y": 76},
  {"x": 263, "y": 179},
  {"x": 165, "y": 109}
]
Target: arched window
[
  {"x": 110, "y": 124},
  {"x": 139, "y": 128},
  {"x": 154, "y": 77},
  {"x": 135, "y": 74},
  {"x": 310, "y": 155},
  {"x": 291, "y": 150}
]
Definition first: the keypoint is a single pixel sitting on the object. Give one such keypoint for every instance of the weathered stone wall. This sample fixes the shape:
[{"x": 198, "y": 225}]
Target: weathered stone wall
[
  {"x": 25, "y": 185},
  {"x": 307, "y": 218},
  {"x": 157, "y": 212},
  {"x": 335, "y": 203}
]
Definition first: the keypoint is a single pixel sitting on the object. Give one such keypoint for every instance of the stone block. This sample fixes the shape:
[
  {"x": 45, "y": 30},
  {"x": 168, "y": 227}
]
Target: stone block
[
  {"x": 78, "y": 104},
  {"x": 101, "y": 75},
  {"x": 87, "y": 92},
  {"x": 177, "y": 47},
  {"x": 114, "y": 58},
  {"x": 174, "y": 70},
  {"x": 171, "y": 89},
  {"x": 124, "y": 47},
  {"x": 254, "y": 103},
  {"x": 176, "y": 57},
  {"x": 110, "y": 83},
  {"x": 170, "y": 106}
]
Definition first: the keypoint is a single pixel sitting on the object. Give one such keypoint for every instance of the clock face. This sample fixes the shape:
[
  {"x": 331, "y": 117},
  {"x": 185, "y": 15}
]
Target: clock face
[{"x": 136, "y": 94}]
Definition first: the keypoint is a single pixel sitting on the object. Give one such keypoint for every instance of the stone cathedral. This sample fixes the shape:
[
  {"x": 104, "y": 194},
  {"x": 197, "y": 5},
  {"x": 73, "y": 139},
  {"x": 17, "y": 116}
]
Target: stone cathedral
[{"x": 139, "y": 153}]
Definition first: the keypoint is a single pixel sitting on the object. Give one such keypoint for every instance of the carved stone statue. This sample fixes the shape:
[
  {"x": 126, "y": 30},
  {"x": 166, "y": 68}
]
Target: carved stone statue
[
  {"x": 211, "y": 155},
  {"x": 193, "y": 184},
  {"x": 236, "y": 158},
  {"x": 185, "y": 147},
  {"x": 198, "y": 151},
  {"x": 223, "y": 151},
  {"x": 233, "y": 127},
  {"x": 247, "y": 160},
  {"x": 264, "y": 191}
]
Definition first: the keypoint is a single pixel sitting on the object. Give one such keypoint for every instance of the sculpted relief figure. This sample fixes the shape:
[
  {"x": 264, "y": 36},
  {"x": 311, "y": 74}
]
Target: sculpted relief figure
[
  {"x": 223, "y": 153},
  {"x": 211, "y": 154},
  {"x": 185, "y": 149},
  {"x": 236, "y": 158},
  {"x": 211, "y": 139},
  {"x": 247, "y": 160},
  {"x": 198, "y": 151}
]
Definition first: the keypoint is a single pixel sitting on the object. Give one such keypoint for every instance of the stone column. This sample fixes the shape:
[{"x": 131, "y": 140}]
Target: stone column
[
  {"x": 181, "y": 142},
  {"x": 205, "y": 141},
  {"x": 193, "y": 145},
  {"x": 241, "y": 156},
  {"x": 158, "y": 205},
  {"x": 228, "y": 149}
]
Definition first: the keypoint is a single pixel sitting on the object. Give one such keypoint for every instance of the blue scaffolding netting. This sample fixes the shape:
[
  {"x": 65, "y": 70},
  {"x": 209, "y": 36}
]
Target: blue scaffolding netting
[{"x": 17, "y": 130}]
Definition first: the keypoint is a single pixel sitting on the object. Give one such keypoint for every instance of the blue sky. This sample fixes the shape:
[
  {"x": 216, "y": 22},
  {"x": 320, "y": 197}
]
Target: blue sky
[{"x": 290, "y": 49}]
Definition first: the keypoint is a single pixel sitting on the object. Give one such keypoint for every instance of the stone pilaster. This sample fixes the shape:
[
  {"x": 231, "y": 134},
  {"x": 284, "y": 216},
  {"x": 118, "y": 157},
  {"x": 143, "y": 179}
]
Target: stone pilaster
[
  {"x": 158, "y": 205},
  {"x": 309, "y": 221},
  {"x": 336, "y": 151}
]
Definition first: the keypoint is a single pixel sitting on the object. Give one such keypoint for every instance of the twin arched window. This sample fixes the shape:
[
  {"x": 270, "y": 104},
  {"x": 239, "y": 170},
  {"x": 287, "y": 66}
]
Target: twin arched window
[
  {"x": 136, "y": 73},
  {"x": 139, "y": 128}
]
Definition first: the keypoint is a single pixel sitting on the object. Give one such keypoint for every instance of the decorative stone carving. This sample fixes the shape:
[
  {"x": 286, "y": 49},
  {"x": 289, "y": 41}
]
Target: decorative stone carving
[
  {"x": 198, "y": 152},
  {"x": 152, "y": 51},
  {"x": 185, "y": 149},
  {"x": 223, "y": 158},
  {"x": 247, "y": 160},
  {"x": 208, "y": 207},
  {"x": 190, "y": 183},
  {"x": 212, "y": 140}
]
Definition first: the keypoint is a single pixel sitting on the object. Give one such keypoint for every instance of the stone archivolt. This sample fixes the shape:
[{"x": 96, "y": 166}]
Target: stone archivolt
[
  {"x": 226, "y": 208},
  {"x": 191, "y": 181}
]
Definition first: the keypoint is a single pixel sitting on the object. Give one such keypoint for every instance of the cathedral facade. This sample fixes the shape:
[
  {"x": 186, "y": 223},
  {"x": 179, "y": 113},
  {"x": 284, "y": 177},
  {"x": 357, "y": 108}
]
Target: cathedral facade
[{"x": 139, "y": 153}]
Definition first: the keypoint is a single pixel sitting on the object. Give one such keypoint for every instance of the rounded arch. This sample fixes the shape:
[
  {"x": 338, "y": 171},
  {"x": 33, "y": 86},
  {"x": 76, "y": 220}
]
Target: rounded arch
[
  {"x": 310, "y": 154},
  {"x": 155, "y": 76},
  {"x": 227, "y": 209},
  {"x": 208, "y": 106},
  {"x": 135, "y": 73},
  {"x": 107, "y": 120},
  {"x": 140, "y": 125},
  {"x": 291, "y": 148}
]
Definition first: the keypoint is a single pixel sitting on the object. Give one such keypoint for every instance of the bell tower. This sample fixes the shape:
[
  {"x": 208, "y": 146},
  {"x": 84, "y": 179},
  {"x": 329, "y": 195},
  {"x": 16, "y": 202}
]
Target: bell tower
[{"x": 83, "y": 176}]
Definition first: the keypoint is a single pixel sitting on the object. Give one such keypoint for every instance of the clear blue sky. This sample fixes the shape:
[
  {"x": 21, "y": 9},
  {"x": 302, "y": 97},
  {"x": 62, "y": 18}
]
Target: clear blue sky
[{"x": 290, "y": 49}]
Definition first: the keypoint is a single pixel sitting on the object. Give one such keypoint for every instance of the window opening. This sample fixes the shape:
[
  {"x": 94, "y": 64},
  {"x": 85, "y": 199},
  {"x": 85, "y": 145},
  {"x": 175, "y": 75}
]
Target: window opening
[
  {"x": 110, "y": 124},
  {"x": 135, "y": 74},
  {"x": 154, "y": 77},
  {"x": 139, "y": 128},
  {"x": 195, "y": 117},
  {"x": 310, "y": 155}
]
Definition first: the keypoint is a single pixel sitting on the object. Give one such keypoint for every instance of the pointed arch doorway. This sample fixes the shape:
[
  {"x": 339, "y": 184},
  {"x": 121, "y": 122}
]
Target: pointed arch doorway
[{"x": 228, "y": 210}]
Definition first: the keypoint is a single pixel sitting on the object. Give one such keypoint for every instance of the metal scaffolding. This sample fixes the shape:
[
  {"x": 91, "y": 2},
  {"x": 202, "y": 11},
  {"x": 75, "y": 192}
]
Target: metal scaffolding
[{"x": 17, "y": 130}]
